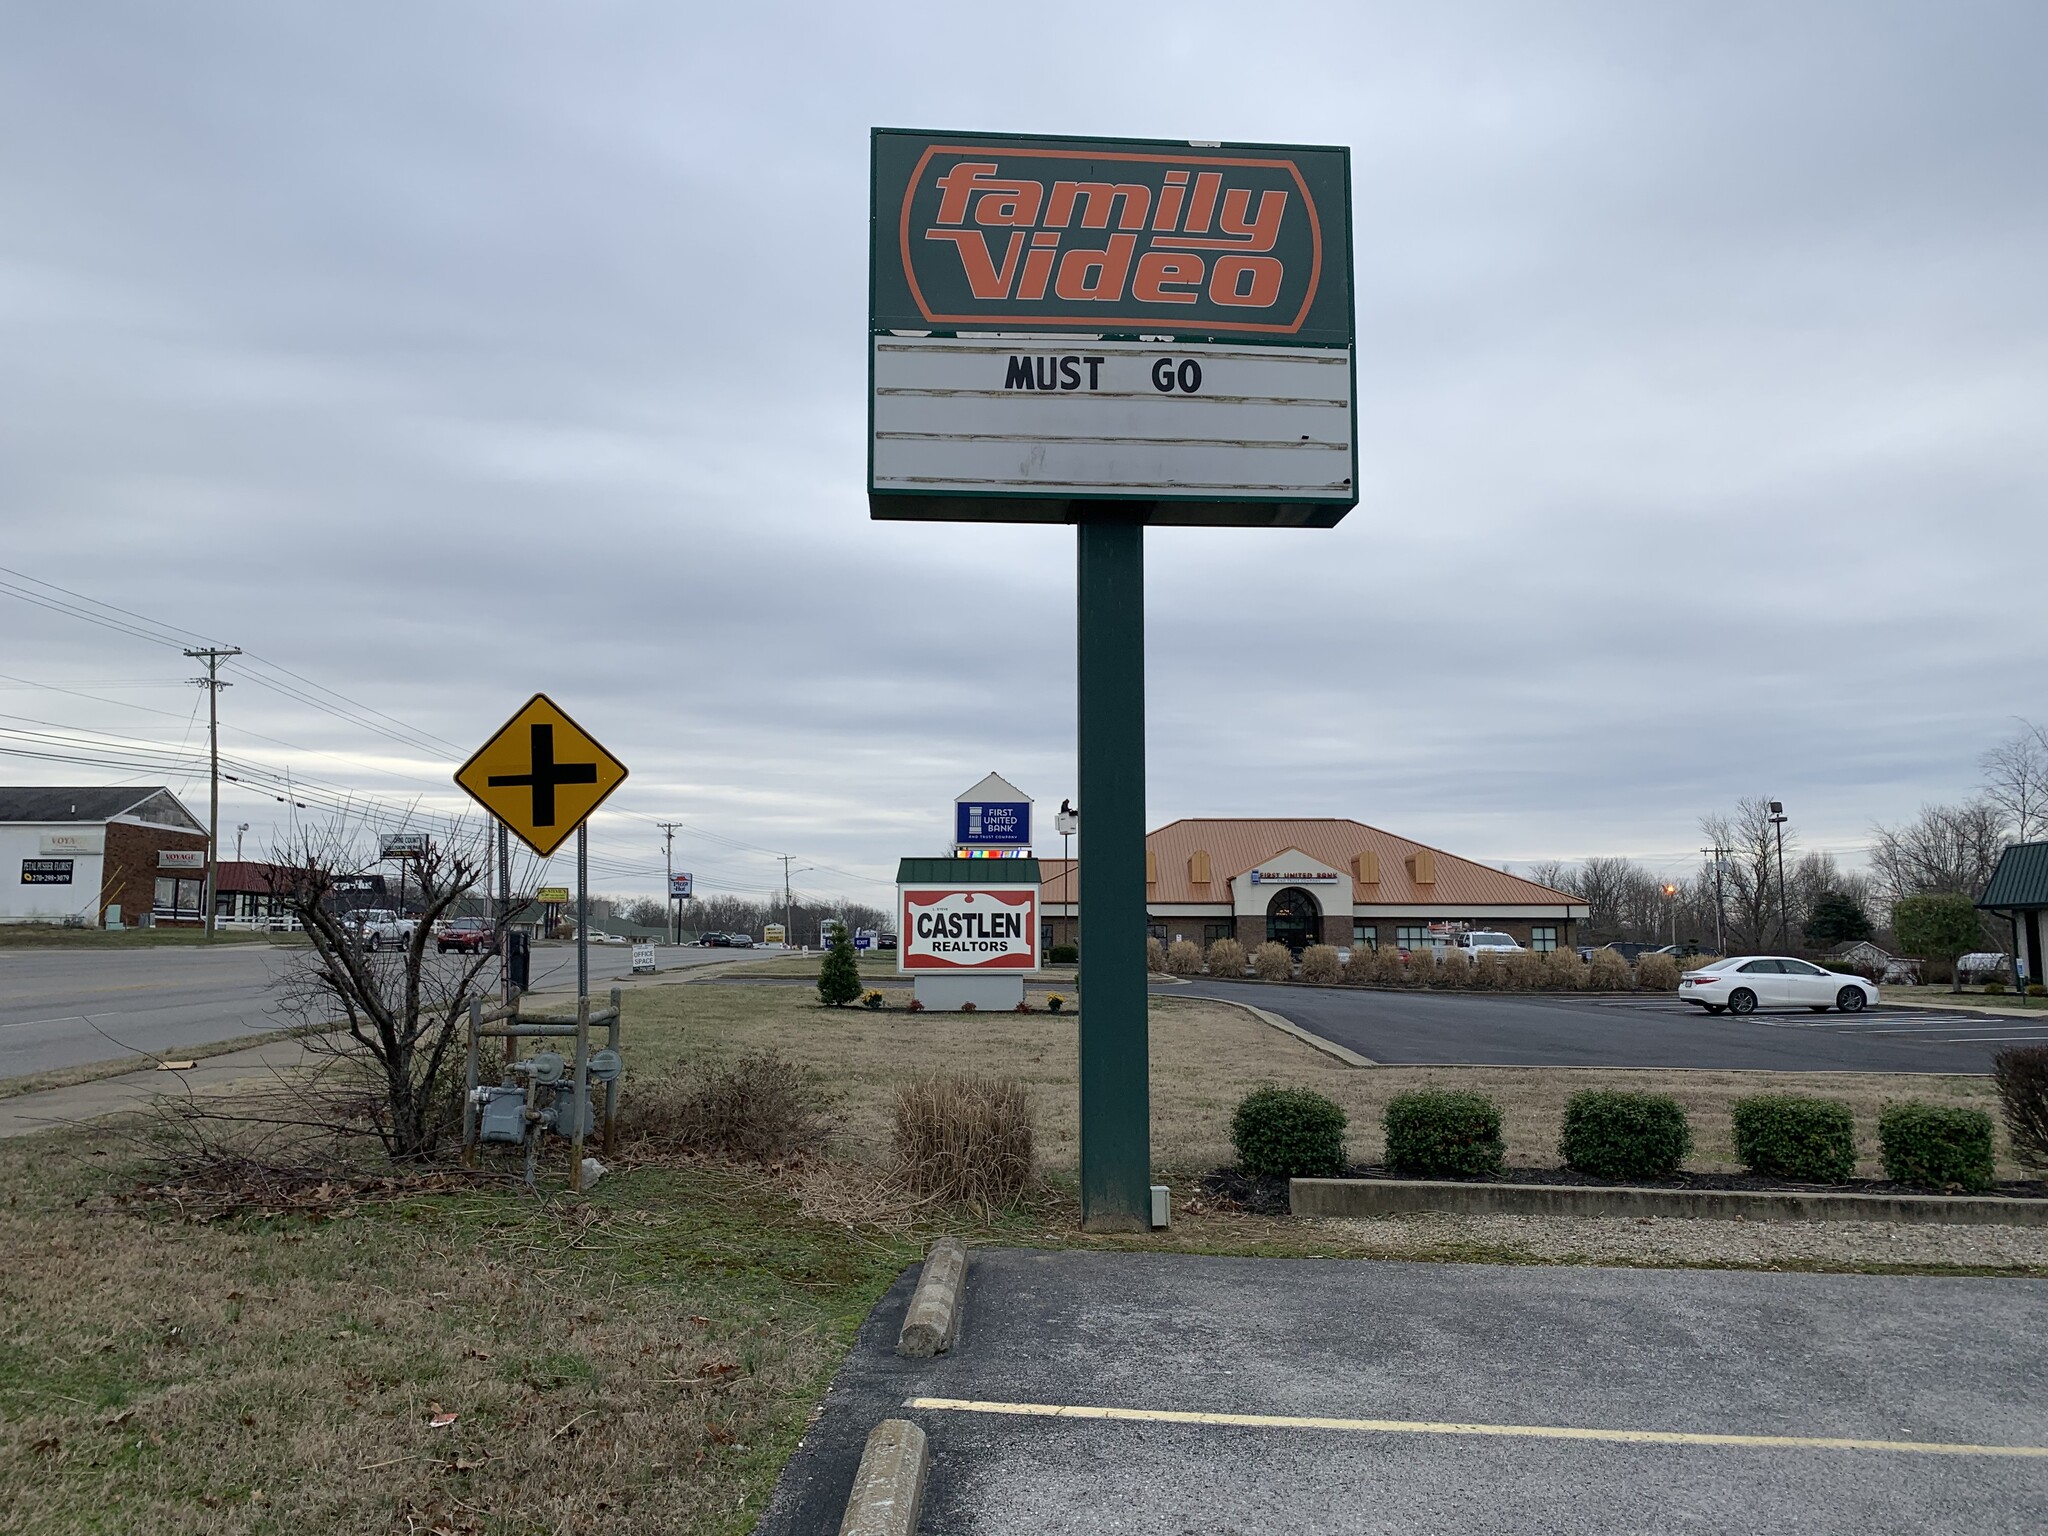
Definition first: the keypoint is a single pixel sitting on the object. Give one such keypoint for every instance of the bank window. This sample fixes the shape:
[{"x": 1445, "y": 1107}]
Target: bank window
[
  {"x": 1211, "y": 932},
  {"x": 1365, "y": 936},
  {"x": 1157, "y": 931},
  {"x": 1411, "y": 939},
  {"x": 1543, "y": 938}
]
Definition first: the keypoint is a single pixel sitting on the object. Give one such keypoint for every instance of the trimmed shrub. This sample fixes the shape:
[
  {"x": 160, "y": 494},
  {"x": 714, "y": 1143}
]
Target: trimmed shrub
[
  {"x": 1226, "y": 958},
  {"x": 1455, "y": 969},
  {"x": 1319, "y": 963},
  {"x": 2037, "y": 989},
  {"x": 1657, "y": 973},
  {"x": 1608, "y": 971},
  {"x": 1184, "y": 957},
  {"x": 1994, "y": 988},
  {"x": 1446, "y": 1134},
  {"x": 1624, "y": 1135},
  {"x": 1288, "y": 1133},
  {"x": 965, "y": 1138},
  {"x": 1792, "y": 1136},
  {"x": 1155, "y": 954},
  {"x": 1937, "y": 1145},
  {"x": 1274, "y": 961},
  {"x": 2022, "y": 1075},
  {"x": 1063, "y": 954}
]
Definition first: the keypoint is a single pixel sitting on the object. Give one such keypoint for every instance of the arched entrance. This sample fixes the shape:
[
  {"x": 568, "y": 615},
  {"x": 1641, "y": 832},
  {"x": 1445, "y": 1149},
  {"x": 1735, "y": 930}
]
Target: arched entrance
[{"x": 1294, "y": 919}]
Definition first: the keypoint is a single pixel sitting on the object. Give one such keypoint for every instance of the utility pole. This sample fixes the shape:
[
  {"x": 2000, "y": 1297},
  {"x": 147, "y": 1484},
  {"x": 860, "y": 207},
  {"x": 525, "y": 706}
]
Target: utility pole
[
  {"x": 1717, "y": 854},
  {"x": 788, "y": 905},
  {"x": 1778, "y": 820},
  {"x": 212, "y": 656},
  {"x": 668, "y": 859}
]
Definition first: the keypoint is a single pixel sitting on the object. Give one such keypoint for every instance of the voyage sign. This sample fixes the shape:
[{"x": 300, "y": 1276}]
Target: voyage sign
[
  {"x": 1055, "y": 321},
  {"x": 947, "y": 928}
]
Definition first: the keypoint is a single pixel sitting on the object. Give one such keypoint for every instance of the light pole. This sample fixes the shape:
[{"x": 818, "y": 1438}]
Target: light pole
[
  {"x": 1671, "y": 901},
  {"x": 240, "y": 828},
  {"x": 1067, "y": 821},
  {"x": 1778, "y": 820}
]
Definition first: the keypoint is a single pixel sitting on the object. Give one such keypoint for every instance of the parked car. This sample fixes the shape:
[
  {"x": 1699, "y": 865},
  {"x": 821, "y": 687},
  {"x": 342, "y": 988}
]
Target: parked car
[
  {"x": 886, "y": 941},
  {"x": 739, "y": 941},
  {"x": 1744, "y": 983},
  {"x": 471, "y": 935},
  {"x": 381, "y": 928},
  {"x": 711, "y": 941}
]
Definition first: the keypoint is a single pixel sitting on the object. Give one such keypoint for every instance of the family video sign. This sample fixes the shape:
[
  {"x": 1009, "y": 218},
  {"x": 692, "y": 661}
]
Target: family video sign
[
  {"x": 1062, "y": 320},
  {"x": 960, "y": 928}
]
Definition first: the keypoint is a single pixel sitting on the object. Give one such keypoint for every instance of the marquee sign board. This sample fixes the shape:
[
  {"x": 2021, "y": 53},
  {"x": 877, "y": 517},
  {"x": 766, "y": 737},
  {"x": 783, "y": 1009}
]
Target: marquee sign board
[
  {"x": 682, "y": 887},
  {"x": 1055, "y": 321},
  {"x": 967, "y": 928},
  {"x": 1001, "y": 824}
]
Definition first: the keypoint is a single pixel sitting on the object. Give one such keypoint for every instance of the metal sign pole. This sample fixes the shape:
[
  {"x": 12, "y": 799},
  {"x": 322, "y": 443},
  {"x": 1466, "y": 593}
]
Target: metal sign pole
[
  {"x": 504, "y": 915},
  {"x": 1116, "y": 1114},
  {"x": 582, "y": 911}
]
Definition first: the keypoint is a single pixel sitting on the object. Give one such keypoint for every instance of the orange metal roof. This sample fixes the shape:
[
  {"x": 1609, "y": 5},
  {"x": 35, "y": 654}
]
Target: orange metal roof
[{"x": 1235, "y": 846}]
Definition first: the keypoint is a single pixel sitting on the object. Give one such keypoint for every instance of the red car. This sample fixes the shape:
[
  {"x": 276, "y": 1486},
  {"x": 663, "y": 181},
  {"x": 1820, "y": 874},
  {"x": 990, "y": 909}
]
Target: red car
[{"x": 471, "y": 935}]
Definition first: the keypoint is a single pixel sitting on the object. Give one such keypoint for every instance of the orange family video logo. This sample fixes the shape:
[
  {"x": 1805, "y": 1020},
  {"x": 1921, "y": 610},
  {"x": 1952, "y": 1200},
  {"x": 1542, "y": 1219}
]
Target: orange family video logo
[{"x": 1103, "y": 240}]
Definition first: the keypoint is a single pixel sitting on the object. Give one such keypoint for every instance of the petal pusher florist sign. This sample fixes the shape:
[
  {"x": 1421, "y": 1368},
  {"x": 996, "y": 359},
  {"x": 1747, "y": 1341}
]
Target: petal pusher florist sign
[{"x": 951, "y": 928}]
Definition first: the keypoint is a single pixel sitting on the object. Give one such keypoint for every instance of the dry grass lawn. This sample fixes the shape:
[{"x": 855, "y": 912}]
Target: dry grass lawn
[{"x": 1205, "y": 1057}]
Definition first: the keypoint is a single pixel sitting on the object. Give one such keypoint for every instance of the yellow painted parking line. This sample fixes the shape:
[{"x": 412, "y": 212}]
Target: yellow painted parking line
[{"x": 1512, "y": 1431}]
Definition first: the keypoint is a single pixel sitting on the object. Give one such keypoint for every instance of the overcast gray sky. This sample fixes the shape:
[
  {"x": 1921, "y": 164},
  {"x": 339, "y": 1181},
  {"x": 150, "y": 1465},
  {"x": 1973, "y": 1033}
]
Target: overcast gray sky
[{"x": 443, "y": 353}]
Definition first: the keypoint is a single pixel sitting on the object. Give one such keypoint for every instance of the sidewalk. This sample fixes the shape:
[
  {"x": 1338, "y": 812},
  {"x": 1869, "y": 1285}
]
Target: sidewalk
[{"x": 32, "y": 1112}]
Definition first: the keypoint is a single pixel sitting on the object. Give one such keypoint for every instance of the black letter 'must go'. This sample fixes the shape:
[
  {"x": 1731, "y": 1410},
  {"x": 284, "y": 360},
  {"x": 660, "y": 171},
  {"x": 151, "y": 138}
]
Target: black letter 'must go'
[{"x": 545, "y": 774}]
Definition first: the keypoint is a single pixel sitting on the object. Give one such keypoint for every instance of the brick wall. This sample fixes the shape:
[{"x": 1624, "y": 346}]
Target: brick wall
[{"x": 130, "y": 871}]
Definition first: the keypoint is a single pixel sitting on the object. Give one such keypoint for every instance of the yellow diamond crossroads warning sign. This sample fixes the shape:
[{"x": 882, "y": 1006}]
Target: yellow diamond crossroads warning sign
[{"x": 541, "y": 775}]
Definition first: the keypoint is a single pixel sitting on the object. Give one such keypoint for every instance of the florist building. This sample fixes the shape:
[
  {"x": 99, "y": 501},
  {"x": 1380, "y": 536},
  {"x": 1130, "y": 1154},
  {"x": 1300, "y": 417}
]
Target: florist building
[{"x": 1322, "y": 881}]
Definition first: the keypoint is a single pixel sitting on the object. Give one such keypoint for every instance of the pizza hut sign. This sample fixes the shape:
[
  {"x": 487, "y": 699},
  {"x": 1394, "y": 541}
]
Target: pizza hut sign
[{"x": 948, "y": 928}]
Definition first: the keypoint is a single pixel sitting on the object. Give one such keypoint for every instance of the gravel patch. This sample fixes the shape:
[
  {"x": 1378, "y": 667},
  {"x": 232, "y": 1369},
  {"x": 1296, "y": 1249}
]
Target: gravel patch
[{"x": 1641, "y": 1240}]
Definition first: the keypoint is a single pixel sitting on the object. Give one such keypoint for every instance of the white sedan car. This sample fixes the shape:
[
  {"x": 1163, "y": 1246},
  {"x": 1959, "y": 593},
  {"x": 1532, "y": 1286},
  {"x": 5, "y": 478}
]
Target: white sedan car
[{"x": 1745, "y": 983}]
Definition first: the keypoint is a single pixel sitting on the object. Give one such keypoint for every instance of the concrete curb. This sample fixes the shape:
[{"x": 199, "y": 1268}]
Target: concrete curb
[
  {"x": 1401, "y": 1197},
  {"x": 932, "y": 1322},
  {"x": 1345, "y": 1054},
  {"x": 889, "y": 1487}
]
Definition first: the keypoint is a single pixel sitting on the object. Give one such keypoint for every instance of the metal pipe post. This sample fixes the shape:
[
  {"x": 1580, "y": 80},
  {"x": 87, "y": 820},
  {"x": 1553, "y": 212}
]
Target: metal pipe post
[
  {"x": 583, "y": 910},
  {"x": 1116, "y": 1114}
]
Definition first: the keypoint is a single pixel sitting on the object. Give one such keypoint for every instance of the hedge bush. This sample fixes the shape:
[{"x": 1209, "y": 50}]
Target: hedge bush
[
  {"x": 1319, "y": 963},
  {"x": 1657, "y": 973},
  {"x": 1184, "y": 957},
  {"x": 1226, "y": 958},
  {"x": 1063, "y": 954},
  {"x": 1443, "y": 1134},
  {"x": 1793, "y": 1136},
  {"x": 1274, "y": 961},
  {"x": 2022, "y": 1075},
  {"x": 1937, "y": 1145},
  {"x": 1624, "y": 1135},
  {"x": 1288, "y": 1133}
]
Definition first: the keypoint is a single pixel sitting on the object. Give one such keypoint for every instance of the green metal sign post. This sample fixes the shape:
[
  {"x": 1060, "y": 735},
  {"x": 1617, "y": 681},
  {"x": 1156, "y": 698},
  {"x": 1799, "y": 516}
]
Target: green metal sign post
[
  {"x": 1116, "y": 1093},
  {"x": 1113, "y": 333}
]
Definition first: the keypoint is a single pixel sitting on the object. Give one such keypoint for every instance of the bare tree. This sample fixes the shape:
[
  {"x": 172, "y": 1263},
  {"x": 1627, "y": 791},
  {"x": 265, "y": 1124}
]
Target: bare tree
[
  {"x": 1749, "y": 874},
  {"x": 402, "y": 1011},
  {"x": 1946, "y": 849},
  {"x": 2016, "y": 781}
]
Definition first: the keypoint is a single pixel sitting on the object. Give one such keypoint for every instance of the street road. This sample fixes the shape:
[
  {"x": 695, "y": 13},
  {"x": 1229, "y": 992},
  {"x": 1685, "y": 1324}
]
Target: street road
[
  {"x": 1452, "y": 1399},
  {"x": 67, "y": 1007},
  {"x": 1429, "y": 1028}
]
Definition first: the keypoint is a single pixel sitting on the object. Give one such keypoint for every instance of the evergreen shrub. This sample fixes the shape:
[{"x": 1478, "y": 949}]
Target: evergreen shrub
[
  {"x": 1443, "y": 1134},
  {"x": 1288, "y": 1133},
  {"x": 1063, "y": 954},
  {"x": 1938, "y": 1145},
  {"x": 1793, "y": 1136},
  {"x": 1624, "y": 1135}
]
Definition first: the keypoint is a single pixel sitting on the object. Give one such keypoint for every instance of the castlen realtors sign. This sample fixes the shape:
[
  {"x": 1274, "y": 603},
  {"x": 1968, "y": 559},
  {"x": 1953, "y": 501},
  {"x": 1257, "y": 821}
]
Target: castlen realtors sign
[
  {"x": 985, "y": 929},
  {"x": 1063, "y": 321}
]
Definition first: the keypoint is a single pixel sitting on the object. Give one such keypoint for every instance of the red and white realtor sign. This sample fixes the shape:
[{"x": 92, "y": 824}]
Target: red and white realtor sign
[{"x": 957, "y": 928}]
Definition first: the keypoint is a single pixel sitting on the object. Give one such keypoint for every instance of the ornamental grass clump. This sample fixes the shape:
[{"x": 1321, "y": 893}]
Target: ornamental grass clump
[
  {"x": 1938, "y": 1146},
  {"x": 1456, "y": 969},
  {"x": 1487, "y": 973},
  {"x": 1657, "y": 973},
  {"x": 1563, "y": 970},
  {"x": 1226, "y": 958},
  {"x": 1421, "y": 970},
  {"x": 1608, "y": 971},
  {"x": 1155, "y": 955},
  {"x": 1288, "y": 1133},
  {"x": 965, "y": 1138},
  {"x": 1525, "y": 970},
  {"x": 1184, "y": 958},
  {"x": 1793, "y": 1136},
  {"x": 1274, "y": 962},
  {"x": 1443, "y": 1135},
  {"x": 1319, "y": 963},
  {"x": 1624, "y": 1135}
]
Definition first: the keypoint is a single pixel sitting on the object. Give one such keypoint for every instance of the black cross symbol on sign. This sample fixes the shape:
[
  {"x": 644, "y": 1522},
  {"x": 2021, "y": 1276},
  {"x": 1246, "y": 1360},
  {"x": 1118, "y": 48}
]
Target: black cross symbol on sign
[{"x": 545, "y": 774}]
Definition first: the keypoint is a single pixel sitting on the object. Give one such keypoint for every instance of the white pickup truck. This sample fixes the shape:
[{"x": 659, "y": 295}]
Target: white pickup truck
[
  {"x": 1479, "y": 942},
  {"x": 381, "y": 928}
]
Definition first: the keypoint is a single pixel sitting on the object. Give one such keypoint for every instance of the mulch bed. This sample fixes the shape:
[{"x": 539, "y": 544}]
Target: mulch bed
[{"x": 1230, "y": 1189}]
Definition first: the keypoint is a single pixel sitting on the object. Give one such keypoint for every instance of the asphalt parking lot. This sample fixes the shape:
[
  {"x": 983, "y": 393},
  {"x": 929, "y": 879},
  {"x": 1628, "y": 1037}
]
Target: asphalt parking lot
[
  {"x": 1475, "y": 1029},
  {"x": 1176, "y": 1394}
]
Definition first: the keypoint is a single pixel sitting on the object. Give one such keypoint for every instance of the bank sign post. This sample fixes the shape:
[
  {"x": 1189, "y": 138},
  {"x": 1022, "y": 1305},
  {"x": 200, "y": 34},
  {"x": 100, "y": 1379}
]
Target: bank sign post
[{"x": 1110, "y": 333}]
